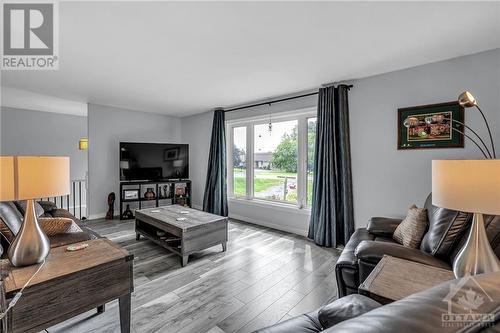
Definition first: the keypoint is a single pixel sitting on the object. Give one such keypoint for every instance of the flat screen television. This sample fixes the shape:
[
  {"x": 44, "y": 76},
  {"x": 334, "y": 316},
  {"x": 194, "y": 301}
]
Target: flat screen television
[{"x": 153, "y": 161}]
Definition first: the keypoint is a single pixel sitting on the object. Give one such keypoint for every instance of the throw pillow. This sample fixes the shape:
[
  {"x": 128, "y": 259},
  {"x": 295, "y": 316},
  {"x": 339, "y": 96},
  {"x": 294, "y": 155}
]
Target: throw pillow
[
  {"x": 21, "y": 205},
  {"x": 58, "y": 225},
  {"x": 6, "y": 232},
  {"x": 412, "y": 229},
  {"x": 48, "y": 206}
]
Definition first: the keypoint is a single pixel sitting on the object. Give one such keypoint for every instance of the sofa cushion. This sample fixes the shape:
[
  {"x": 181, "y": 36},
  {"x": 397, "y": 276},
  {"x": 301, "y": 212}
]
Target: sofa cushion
[
  {"x": 48, "y": 206},
  {"x": 411, "y": 230},
  {"x": 345, "y": 308},
  {"x": 11, "y": 220},
  {"x": 446, "y": 228},
  {"x": 306, "y": 323},
  {"x": 66, "y": 239},
  {"x": 21, "y": 206},
  {"x": 382, "y": 226},
  {"x": 372, "y": 252}
]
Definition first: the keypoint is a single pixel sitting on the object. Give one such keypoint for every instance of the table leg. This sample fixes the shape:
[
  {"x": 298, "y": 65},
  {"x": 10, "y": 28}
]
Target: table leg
[
  {"x": 101, "y": 309},
  {"x": 124, "y": 303},
  {"x": 184, "y": 260},
  {"x": 224, "y": 247}
]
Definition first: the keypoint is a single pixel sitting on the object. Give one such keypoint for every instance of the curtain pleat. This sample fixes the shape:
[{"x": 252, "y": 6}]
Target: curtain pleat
[
  {"x": 215, "y": 197},
  {"x": 332, "y": 218}
]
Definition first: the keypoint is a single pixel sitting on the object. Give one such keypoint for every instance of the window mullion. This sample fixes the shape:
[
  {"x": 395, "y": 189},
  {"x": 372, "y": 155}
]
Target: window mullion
[
  {"x": 230, "y": 170},
  {"x": 250, "y": 161},
  {"x": 302, "y": 161}
]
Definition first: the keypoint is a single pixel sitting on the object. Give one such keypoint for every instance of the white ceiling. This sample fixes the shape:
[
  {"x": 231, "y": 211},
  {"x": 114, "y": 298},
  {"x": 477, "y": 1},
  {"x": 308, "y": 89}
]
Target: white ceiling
[{"x": 185, "y": 58}]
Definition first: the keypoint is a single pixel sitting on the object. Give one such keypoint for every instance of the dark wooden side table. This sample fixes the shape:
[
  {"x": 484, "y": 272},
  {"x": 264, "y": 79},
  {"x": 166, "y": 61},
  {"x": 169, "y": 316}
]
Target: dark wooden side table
[
  {"x": 394, "y": 278},
  {"x": 71, "y": 283}
]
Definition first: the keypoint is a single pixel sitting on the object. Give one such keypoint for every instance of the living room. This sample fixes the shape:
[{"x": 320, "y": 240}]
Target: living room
[{"x": 250, "y": 166}]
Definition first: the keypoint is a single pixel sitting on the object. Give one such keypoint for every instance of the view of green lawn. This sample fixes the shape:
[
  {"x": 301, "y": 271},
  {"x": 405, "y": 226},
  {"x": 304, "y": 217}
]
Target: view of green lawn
[{"x": 265, "y": 180}]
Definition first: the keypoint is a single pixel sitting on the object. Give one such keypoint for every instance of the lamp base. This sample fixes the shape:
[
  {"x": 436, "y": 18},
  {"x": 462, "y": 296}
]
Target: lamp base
[
  {"x": 476, "y": 256},
  {"x": 31, "y": 245}
]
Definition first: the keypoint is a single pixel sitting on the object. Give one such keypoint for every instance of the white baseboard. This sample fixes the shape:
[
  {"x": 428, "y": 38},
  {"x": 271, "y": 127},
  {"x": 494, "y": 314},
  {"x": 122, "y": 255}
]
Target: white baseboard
[
  {"x": 96, "y": 216},
  {"x": 297, "y": 231}
]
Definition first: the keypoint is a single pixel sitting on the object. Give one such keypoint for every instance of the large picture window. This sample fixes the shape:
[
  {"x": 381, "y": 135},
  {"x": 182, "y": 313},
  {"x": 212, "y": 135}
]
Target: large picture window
[{"x": 273, "y": 161}]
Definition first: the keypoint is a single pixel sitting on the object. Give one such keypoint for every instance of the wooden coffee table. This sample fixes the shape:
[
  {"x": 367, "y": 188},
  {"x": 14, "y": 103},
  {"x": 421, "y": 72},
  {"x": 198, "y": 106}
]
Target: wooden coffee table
[
  {"x": 197, "y": 232},
  {"x": 70, "y": 283},
  {"x": 394, "y": 278}
]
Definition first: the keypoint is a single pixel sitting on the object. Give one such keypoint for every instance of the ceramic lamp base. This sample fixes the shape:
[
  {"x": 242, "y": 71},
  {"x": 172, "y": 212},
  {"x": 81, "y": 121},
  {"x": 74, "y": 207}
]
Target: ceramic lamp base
[
  {"x": 31, "y": 245},
  {"x": 476, "y": 256}
]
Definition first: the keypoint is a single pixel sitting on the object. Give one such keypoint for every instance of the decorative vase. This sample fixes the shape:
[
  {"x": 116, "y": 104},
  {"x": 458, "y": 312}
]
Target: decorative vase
[
  {"x": 476, "y": 256},
  {"x": 31, "y": 245},
  {"x": 150, "y": 194}
]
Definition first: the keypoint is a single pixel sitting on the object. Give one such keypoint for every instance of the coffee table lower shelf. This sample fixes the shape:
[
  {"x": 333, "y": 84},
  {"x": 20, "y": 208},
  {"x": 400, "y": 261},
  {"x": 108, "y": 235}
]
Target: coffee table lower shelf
[
  {"x": 201, "y": 231},
  {"x": 163, "y": 243}
]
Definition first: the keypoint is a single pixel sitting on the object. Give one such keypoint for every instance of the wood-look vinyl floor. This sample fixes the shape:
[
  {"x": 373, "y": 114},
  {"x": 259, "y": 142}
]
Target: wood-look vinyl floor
[{"x": 265, "y": 276}]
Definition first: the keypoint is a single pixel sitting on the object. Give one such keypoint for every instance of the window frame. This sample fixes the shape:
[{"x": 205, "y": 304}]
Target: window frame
[{"x": 302, "y": 116}]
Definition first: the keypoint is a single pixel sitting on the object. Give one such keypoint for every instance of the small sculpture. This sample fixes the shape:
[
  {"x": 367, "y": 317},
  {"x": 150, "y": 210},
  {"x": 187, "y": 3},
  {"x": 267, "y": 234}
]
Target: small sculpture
[
  {"x": 127, "y": 214},
  {"x": 111, "y": 205}
]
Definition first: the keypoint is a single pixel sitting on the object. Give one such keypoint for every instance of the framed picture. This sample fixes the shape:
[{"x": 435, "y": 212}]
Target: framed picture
[
  {"x": 131, "y": 194},
  {"x": 170, "y": 154},
  {"x": 431, "y": 126}
]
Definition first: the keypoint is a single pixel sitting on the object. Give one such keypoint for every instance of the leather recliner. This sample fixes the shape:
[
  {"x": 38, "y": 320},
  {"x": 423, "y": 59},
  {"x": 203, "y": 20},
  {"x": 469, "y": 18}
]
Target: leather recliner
[
  {"x": 446, "y": 234},
  {"x": 428, "y": 311}
]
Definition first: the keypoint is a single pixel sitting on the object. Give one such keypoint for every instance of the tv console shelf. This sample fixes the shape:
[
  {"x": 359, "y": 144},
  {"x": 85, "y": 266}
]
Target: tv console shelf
[{"x": 166, "y": 192}]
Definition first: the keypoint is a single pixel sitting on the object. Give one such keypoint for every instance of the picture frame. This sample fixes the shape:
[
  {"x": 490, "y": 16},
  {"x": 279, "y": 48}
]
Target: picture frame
[
  {"x": 171, "y": 154},
  {"x": 431, "y": 126},
  {"x": 131, "y": 194}
]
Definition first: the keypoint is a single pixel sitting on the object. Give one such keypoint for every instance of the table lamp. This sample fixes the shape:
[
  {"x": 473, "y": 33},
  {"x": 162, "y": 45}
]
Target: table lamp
[
  {"x": 27, "y": 178},
  {"x": 471, "y": 186}
]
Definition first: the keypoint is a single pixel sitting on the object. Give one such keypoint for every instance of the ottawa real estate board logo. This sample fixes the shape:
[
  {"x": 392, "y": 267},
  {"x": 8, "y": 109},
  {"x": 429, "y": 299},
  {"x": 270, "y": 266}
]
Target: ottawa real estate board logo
[{"x": 30, "y": 39}]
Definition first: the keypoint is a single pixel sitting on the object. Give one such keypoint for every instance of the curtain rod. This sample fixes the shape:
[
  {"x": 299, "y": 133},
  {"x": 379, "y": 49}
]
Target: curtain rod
[{"x": 275, "y": 101}]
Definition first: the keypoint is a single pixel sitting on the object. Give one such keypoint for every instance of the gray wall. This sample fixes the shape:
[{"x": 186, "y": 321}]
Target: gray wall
[
  {"x": 27, "y": 132},
  {"x": 107, "y": 127},
  {"x": 386, "y": 181},
  {"x": 195, "y": 131}
]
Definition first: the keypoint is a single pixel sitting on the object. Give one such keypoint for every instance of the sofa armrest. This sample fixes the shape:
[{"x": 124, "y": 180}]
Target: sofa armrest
[
  {"x": 373, "y": 251},
  {"x": 345, "y": 308},
  {"x": 382, "y": 226}
]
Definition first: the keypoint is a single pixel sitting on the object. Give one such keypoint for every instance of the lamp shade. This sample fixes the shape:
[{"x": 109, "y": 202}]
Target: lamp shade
[
  {"x": 467, "y": 185},
  {"x": 30, "y": 177}
]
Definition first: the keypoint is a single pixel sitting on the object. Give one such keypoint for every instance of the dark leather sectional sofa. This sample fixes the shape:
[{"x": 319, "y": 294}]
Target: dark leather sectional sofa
[
  {"x": 427, "y": 312},
  {"x": 11, "y": 213},
  {"x": 421, "y": 312},
  {"x": 445, "y": 236}
]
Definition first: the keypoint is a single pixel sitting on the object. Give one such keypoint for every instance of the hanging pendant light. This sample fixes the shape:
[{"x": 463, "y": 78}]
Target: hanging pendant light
[{"x": 270, "y": 120}]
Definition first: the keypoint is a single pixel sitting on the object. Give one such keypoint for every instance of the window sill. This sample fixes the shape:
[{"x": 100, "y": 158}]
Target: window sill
[{"x": 290, "y": 208}]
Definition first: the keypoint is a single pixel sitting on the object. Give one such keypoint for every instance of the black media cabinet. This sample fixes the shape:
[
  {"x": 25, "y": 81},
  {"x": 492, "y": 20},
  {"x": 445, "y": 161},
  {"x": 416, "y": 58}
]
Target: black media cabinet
[{"x": 168, "y": 192}]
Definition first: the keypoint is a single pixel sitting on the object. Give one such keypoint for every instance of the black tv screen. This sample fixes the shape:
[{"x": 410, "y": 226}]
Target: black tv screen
[{"x": 153, "y": 161}]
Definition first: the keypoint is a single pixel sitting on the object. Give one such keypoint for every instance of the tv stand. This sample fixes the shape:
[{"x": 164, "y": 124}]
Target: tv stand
[{"x": 166, "y": 192}]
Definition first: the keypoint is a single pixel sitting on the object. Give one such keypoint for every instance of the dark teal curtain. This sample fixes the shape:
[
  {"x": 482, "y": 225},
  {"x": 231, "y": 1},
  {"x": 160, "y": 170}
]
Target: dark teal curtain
[
  {"x": 215, "y": 198},
  {"x": 332, "y": 220}
]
